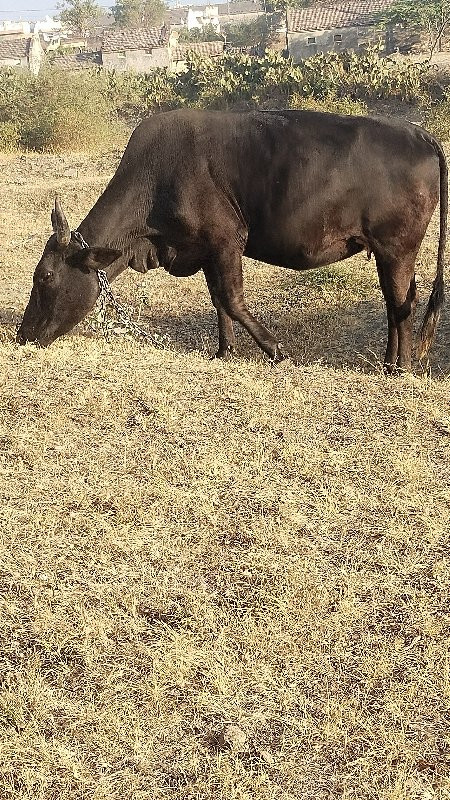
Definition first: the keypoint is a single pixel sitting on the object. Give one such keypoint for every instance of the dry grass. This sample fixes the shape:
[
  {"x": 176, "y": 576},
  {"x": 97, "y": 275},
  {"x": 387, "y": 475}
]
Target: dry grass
[{"x": 188, "y": 546}]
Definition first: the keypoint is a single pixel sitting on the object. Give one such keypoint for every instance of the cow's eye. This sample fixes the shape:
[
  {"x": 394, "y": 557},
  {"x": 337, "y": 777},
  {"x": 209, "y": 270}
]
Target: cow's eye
[{"x": 46, "y": 277}]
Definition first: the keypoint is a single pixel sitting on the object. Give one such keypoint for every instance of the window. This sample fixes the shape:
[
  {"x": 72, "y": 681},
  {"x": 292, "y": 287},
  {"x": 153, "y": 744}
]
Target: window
[
  {"x": 148, "y": 52},
  {"x": 311, "y": 39},
  {"x": 122, "y": 54},
  {"x": 337, "y": 37}
]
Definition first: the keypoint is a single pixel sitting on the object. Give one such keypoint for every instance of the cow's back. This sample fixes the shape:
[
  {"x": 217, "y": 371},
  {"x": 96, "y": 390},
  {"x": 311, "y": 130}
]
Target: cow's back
[{"x": 301, "y": 182}]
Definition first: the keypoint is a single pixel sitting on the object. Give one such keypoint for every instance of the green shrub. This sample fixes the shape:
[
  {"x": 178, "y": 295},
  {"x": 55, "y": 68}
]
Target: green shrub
[
  {"x": 436, "y": 117},
  {"x": 91, "y": 110},
  {"x": 9, "y": 136},
  {"x": 58, "y": 110},
  {"x": 134, "y": 95},
  {"x": 272, "y": 79}
]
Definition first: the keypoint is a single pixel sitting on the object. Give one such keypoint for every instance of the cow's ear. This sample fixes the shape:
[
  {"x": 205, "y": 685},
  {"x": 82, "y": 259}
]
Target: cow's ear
[{"x": 95, "y": 258}]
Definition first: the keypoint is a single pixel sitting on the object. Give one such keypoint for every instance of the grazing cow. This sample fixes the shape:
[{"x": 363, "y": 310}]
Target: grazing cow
[{"x": 197, "y": 190}]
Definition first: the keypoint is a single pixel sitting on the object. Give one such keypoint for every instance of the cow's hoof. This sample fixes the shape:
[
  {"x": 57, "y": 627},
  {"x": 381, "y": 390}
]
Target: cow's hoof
[
  {"x": 394, "y": 371},
  {"x": 224, "y": 353},
  {"x": 278, "y": 355}
]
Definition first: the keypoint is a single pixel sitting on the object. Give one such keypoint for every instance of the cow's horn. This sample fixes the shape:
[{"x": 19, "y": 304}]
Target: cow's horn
[{"x": 60, "y": 224}]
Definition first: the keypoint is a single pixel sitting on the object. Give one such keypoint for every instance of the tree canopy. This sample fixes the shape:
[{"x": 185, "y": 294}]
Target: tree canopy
[
  {"x": 206, "y": 34},
  {"x": 79, "y": 14},
  {"x": 139, "y": 13},
  {"x": 424, "y": 16}
]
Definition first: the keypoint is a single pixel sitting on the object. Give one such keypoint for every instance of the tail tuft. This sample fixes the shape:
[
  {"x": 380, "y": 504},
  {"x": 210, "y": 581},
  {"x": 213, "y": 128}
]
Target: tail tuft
[{"x": 431, "y": 319}]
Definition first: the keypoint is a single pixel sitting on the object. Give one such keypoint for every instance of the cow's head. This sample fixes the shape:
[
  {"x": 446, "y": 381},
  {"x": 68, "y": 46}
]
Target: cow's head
[{"x": 65, "y": 284}]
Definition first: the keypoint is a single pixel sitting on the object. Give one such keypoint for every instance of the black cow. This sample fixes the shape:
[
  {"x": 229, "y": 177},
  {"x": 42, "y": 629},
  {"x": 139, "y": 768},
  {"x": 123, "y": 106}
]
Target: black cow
[{"x": 198, "y": 190}]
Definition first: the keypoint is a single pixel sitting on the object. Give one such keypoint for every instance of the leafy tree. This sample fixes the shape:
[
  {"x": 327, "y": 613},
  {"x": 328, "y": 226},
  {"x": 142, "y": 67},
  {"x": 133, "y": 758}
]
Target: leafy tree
[
  {"x": 423, "y": 16},
  {"x": 79, "y": 14},
  {"x": 138, "y": 13},
  {"x": 259, "y": 32},
  {"x": 207, "y": 34},
  {"x": 281, "y": 6}
]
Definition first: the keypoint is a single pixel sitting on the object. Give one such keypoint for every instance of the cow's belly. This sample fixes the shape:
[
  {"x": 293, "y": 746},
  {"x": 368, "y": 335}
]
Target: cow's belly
[{"x": 308, "y": 255}]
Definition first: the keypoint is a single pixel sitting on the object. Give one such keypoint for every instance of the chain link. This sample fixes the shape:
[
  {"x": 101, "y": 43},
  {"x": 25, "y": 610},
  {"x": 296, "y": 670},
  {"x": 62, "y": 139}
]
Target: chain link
[{"x": 107, "y": 297}]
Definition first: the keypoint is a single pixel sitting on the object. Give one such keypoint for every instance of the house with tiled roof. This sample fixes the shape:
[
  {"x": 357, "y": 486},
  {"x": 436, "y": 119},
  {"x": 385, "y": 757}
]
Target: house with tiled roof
[
  {"x": 339, "y": 26},
  {"x": 25, "y": 52},
  {"x": 136, "y": 49},
  {"x": 239, "y": 11},
  {"x": 217, "y": 15},
  {"x": 78, "y": 61}
]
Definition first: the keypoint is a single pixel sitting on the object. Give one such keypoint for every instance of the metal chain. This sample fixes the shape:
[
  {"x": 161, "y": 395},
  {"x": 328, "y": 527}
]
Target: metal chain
[{"x": 107, "y": 297}]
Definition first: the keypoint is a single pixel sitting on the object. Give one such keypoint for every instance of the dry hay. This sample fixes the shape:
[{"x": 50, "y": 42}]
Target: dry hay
[{"x": 219, "y": 582}]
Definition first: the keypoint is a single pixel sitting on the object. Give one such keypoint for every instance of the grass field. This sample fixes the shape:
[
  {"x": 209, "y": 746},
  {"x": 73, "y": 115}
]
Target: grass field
[{"x": 219, "y": 581}]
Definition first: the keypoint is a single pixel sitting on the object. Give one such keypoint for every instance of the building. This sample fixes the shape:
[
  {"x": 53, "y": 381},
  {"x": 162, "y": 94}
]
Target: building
[
  {"x": 238, "y": 12},
  {"x": 343, "y": 26},
  {"x": 139, "y": 50},
  {"x": 25, "y": 53},
  {"x": 233, "y": 12},
  {"x": 200, "y": 16},
  {"x": 14, "y": 29},
  {"x": 78, "y": 61}
]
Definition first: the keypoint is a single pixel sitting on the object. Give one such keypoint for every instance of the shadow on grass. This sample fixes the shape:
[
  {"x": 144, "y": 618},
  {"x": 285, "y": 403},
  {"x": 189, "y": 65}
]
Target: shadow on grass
[{"x": 353, "y": 336}]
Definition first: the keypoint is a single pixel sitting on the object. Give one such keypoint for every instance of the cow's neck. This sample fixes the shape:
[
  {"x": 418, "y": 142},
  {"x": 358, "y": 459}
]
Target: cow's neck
[{"x": 116, "y": 220}]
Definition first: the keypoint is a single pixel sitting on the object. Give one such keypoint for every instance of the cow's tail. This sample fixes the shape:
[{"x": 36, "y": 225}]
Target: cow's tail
[{"x": 436, "y": 300}]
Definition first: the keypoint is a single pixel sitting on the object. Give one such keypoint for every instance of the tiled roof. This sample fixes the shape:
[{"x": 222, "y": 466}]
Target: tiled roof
[
  {"x": 14, "y": 48},
  {"x": 78, "y": 61},
  {"x": 340, "y": 15},
  {"x": 205, "y": 49},
  {"x": 240, "y": 7},
  {"x": 134, "y": 39}
]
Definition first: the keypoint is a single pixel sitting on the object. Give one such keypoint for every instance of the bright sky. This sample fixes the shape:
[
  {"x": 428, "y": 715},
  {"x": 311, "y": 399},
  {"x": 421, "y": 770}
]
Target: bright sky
[
  {"x": 24, "y": 9},
  {"x": 31, "y": 9}
]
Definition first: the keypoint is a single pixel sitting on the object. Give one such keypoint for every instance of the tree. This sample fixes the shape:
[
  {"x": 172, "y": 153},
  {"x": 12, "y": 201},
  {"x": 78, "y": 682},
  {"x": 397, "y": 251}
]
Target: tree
[
  {"x": 260, "y": 33},
  {"x": 206, "y": 34},
  {"x": 281, "y": 6},
  {"x": 423, "y": 16},
  {"x": 79, "y": 14},
  {"x": 139, "y": 13}
]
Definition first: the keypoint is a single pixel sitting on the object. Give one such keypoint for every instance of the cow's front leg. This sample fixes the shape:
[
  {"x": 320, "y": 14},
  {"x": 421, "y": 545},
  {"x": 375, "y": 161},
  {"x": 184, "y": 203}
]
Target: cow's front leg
[
  {"x": 227, "y": 339},
  {"x": 225, "y": 280}
]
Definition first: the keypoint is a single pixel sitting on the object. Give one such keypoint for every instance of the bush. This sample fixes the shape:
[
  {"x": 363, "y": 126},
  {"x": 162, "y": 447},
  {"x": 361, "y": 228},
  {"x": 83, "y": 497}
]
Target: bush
[
  {"x": 9, "y": 136},
  {"x": 134, "y": 96},
  {"x": 57, "y": 110},
  {"x": 436, "y": 117},
  {"x": 273, "y": 79},
  {"x": 90, "y": 110}
]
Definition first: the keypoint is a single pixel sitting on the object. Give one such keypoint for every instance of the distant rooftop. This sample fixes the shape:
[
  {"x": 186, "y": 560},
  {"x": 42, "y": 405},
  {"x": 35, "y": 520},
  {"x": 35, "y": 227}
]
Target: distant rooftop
[
  {"x": 14, "y": 48},
  {"x": 134, "y": 39},
  {"x": 338, "y": 15},
  {"x": 240, "y": 7},
  {"x": 77, "y": 61},
  {"x": 205, "y": 49}
]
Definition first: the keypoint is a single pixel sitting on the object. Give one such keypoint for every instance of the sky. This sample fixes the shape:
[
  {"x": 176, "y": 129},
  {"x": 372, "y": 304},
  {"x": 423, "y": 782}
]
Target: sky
[
  {"x": 29, "y": 9},
  {"x": 22, "y": 9}
]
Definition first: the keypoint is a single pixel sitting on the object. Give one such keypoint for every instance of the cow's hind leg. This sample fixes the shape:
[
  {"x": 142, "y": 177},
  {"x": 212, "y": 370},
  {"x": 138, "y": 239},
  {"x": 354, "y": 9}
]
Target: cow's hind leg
[
  {"x": 398, "y": 284},
  {"x": 225, "y": 283}
]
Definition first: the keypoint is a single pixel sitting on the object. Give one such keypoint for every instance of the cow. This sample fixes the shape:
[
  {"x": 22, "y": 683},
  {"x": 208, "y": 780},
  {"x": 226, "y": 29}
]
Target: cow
[{"x": 198, "y": 190}]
